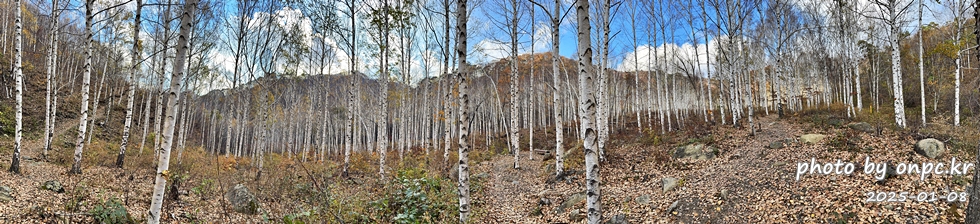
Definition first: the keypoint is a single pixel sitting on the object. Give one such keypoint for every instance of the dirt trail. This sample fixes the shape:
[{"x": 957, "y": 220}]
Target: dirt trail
[{"x": 511, "y": 191}]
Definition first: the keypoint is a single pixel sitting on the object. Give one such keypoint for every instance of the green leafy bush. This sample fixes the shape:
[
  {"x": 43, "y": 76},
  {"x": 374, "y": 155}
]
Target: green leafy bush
[
  {"x": 111, "y": 212},
  {"x": 417, "y": 198}
]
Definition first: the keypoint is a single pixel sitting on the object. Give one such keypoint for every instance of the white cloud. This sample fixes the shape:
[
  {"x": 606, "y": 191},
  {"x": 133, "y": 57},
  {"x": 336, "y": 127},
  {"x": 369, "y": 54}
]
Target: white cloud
[
  {"x": 488, "y": 50},
  {"x": 646, "y": 57}
]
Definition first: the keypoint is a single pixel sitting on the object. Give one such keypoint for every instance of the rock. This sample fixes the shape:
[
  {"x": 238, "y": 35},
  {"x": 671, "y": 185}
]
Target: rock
[
  {"x": 242, "y": 200},
  {"x": 53, "y": 185},
  {"x": 812, "y": 138},
  {"x": 836, "y": 122},
  {"x": 643, "y": 199},
  {"x": 862, "y": 126},
  {"x": 672, "y": 206},
  {"x": 482, "y": 175},
  {"x": 723, "y": 194},
  {"x": 670, "y": 183},
  {"x": 617, "y": 219},
  {"x": 571, "y": 201},
  {"x": 780, "y": 163},
  {"x": 5, "y": 194},
  {"x": 576, "y": 216},
  {"x": 930, "y": 147},
  {"x": 696, "y": 151},
  {"x": 776, "y": 145},
  {"x": 544, "y": 201}
]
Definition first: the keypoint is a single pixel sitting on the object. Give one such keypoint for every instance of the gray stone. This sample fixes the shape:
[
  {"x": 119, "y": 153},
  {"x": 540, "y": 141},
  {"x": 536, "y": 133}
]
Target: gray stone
[
  {"x": 617, "y": 219},
  {"x": 482, "y": 175},
  {"x": 643, "y": 199},
  {"x": 53, "y": 185},
  {"x": 5, "y": 194},
  {"x": 544, "y": 201},
  {"x": 670, "y": 183},
  {"x": 862, "y": 126},
  {"x": 930, "y": 147},
  {"x": 812, "y": 138},
  {"x": 571, "y": 201},
  {"x": 242, "y": 200},
  {"x": 723, "y": 194},
  {"x": 673, "y": 206},
  {"x": 696, "y": 151},
  {"x": 576, "y": 216},
  {"x": 776, "y": 145}
]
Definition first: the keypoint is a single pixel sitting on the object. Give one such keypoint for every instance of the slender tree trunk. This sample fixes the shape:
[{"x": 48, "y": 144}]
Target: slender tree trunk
[
  {"x": 52, "y": 67},
  {"x": 175, "y": 86},
  {"x": 514, "y": 133},
  {"x": 76, "y": 167},
  {"x": 587, "y": 112},
  {"x": 959, "y": 73},
  {"x": 464, "y": 120},
  {"x": 146, "y": 119},
  {"x": 922, "y": 79},
  {"x": 555, "y": 93},
  {"x": 19, "y": 89},
  {"x": 897, "y": 67}
]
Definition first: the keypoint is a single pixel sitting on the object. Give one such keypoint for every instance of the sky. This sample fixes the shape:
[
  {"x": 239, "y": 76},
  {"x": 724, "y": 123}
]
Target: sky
[{"x": 489, "y": 40}]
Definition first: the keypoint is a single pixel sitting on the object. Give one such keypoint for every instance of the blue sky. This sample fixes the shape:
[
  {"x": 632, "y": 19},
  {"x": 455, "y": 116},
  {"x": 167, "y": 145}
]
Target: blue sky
[{"x": 488, "y": 40}]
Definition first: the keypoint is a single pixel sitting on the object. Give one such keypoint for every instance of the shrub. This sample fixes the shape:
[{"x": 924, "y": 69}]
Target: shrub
[
  {"x": 111, "y": 211},
  {"x": 414, "y": 197}
]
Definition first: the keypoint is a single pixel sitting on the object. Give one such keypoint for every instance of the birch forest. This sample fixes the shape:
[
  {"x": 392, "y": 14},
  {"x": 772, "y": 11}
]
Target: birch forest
[{"x": 476, "y": 111}]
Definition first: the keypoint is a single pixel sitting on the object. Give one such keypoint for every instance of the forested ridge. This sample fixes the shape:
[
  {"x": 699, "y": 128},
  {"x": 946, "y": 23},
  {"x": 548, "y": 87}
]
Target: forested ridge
[{"x": 383, "y": 111}]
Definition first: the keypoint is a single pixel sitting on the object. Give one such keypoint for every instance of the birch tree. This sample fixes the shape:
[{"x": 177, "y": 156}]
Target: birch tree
[
  {"x": 959, "y": 9},
  {"x": 587, "y": 112},
  {"x": 890, "y": 12},
  {"x": 51, "y": 69},
  {"x": 163, "y": 164},
  {"x": 19, "y": 89},
  {"x": 556, "y": 17},
  {"x": 76, "y": 167},
  {"x": 463, "y": 120},
  {"x": 131, "y": 95}
]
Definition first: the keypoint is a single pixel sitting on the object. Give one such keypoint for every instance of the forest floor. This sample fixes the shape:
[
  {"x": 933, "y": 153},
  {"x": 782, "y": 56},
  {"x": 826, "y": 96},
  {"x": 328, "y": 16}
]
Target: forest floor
[{"x": 745, "y": 182}]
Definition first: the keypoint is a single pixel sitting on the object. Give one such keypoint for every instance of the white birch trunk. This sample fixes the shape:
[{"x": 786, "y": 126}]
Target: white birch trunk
[
  {"x": 587, "y": 112},
  {"x": 896, "y": 66},
  {"x": 922, "y": 79},
  {"x": 163, "y": 164},
  {"x": 464, "y": 101},
  {"x": 131, "y": 94},
  {"x": 76, "y": 167},
  {"x": 19, "y": 89},
  {"x": 556, "y": 94},
  {"x": 52, "y": 67}
]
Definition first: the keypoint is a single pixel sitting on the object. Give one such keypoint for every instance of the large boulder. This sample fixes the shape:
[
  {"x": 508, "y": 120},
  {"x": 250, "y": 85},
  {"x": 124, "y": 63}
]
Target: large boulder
[
  {"x": 862, "y": 126},
  {"x": 5, "y": 194},
  {"x": 53, "y": 185},
  {"x": 812, "y": 138},
  {"x": 930, "y": 147},
  {"x": 670, "y": 183},
  {"x": 696, "y": 151},
  {"x": 242, "y": 200},
  {"x": 571, "y": 201}
]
